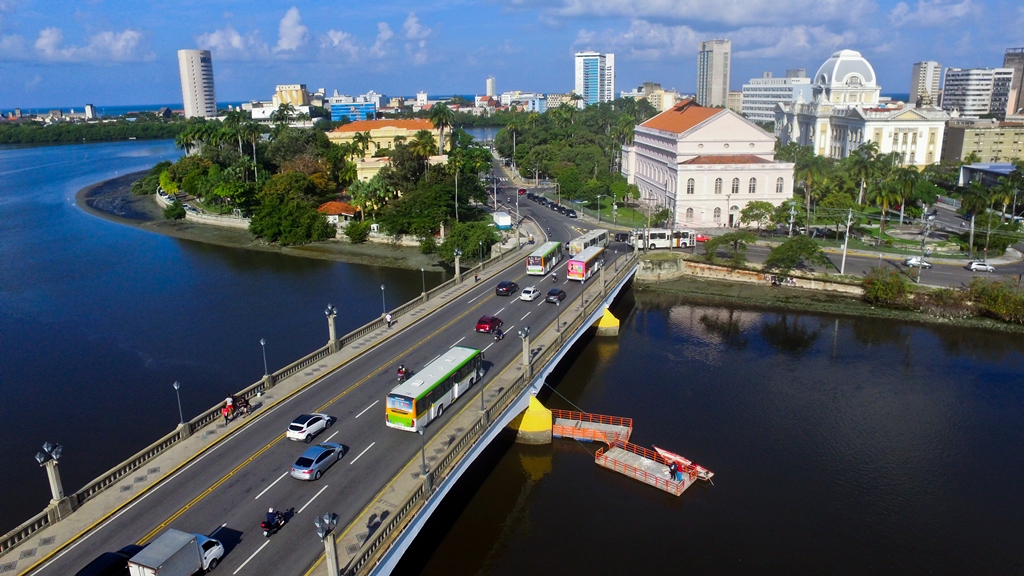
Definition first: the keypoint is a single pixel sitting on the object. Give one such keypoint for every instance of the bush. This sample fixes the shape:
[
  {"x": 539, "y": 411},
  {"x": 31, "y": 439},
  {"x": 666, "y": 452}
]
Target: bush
[
  {"x": 176, "y": 211},
  {"x": 357, "y": 232},
  {"x": 428, "y": 245},
  {"x": 885, "y": 287},
  {"x": 997, "y": 300}
]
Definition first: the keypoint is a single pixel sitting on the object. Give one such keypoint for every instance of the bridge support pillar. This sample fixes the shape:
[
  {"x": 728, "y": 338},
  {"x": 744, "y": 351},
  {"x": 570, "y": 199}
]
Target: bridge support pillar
[
  {"x": 458, "y": 268},
  {"x": 268, "y": 380},
  {"x": 533, "y": 426},
  {"x": 608, "y": 325},
  {"x": 185, "y": 430}
]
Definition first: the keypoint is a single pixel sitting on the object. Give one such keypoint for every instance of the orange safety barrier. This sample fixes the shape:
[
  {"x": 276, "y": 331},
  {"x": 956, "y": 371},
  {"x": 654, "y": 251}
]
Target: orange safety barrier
[
  {"x": 690, "y": 469},
  {"x": 584, "y": 433},
  {"x": 670, "y": 486},
  {"x": 598, "y": 418}
]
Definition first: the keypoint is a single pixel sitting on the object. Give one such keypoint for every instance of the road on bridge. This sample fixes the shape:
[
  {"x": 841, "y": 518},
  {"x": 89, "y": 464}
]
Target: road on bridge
[{"x": 227, "y": 491}]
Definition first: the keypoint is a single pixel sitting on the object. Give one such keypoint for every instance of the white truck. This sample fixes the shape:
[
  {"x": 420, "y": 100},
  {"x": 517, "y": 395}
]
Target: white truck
[
  {"x": 177, "y": 553},
  {"x": 502, "y": 220}
]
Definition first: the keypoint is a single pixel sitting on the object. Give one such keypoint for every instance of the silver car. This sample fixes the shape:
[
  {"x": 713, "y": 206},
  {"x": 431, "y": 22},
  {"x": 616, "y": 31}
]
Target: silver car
[
  {"x": 980, "y": 266},
  {"x": 316, "y": 460}
]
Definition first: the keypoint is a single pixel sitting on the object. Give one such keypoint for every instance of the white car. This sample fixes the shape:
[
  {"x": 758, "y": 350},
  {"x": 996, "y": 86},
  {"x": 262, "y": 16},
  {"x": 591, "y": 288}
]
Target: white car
[
  {"x": 915, "y": 261},
  {"x": 530, "y": 293},
  {"x": 980, "y": 266},
  {"x": 306, "y": 426}
]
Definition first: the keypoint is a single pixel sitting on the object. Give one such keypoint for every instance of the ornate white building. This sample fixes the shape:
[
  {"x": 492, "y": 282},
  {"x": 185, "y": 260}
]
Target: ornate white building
[
  {"x": 846, "y": 112},
  {"x": 705, "y": 164}
]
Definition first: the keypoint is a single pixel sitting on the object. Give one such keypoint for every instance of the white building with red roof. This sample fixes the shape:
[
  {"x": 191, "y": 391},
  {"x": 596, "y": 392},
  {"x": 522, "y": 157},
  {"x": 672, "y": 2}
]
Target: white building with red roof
[{"x": 705, "y": 164}]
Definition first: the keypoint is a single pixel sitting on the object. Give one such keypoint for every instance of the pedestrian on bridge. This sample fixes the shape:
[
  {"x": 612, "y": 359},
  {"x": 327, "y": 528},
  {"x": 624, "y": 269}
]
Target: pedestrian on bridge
[
  {"x": 388, "y": 318},
  {"x": 226, "y": 411}
]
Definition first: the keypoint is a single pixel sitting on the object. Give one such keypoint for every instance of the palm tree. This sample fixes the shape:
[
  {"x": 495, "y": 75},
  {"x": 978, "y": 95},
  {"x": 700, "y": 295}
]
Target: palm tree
[
  {"x": 442, "y": 117},
  {"x": 283, "y": 115},
  {"x": 251, "y": 131},
  {"x": 422, "y": 144},
  {"x": 906, "y": 178},
  {"x": 883, "y": 194},
  {"x": 514, "y": 126},
  {"x": 233, "y": 121},
  {"x": 976, "y": 198},
  {"x": 575, "y": 99},
  {"x": 362, "y": 141},
  {"x": 1004, "y": 191},
  {"x": 810, "y": 170},
  {"x": 863, "y": 165}
]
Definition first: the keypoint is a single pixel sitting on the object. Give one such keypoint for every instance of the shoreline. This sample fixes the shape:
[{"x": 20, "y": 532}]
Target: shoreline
[{"x": 112, "y": 200}]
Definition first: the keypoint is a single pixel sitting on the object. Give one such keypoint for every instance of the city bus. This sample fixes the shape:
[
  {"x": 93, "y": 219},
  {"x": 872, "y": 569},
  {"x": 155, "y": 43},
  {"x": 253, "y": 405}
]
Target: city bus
[
  {"x": 585, "y": 264},
  {"x": 423, "y": 397},
  {"x": 597, "y": 237},
  {"x": 544, "y": 258},
  {"x": 654, "y": 238}
]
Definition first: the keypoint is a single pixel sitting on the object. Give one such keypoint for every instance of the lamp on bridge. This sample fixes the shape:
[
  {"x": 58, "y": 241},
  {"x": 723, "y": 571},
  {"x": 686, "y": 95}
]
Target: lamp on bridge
[
  {"x": 48, "y": 458},
  {"x": 331, "y": 312},
  {"x": 181, "y": 415},
  {"x": 423, "y": 277},
  {"x": 524, "y": 334},
  {"x": 458, "y": 271},
  {"x": 324, "y": 527},
  {"x": 383, "y": 303},
  {"x": 263, "y": 345}
]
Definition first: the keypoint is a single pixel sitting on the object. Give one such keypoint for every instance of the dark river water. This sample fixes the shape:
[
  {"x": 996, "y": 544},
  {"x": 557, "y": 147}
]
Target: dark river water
[{"x": 838, "y": 445}]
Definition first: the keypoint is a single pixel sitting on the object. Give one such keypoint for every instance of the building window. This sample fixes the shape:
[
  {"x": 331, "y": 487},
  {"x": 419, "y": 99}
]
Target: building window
[
  {"x": 689, "y": 214},
  {"x": 718, "y": 215},
  {"x": 689, "y": 186},
  {"x": 752, "y": 187},
  {"x": 718, "y": 185},
  {"x": 778, "y": 186},
  {"x": 735, "y": 185}
]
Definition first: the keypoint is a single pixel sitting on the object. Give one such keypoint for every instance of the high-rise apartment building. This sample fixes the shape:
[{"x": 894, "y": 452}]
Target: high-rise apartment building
[
  {"x": 1014, "y": 59},
  {"x": 196, "y": 68},
  {"x": 294, "y": 94},
  {"x": 713, "y": 62},
  {"x": 492, "y": 87},
  {"x": 977, "y": 91},
  {"x": 595, "y": 77},
  {"x": 760, "y": 95},
  {"x": 925, "y": 80}
]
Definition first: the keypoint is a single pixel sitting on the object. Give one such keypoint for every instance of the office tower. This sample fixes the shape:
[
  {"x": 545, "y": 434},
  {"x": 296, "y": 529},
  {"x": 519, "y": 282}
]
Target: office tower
[
  {"x": 1014, "y": 59},
  {"x": 925, "y": 80},
  {"x": 760, "y": 95},
  {"x": 492, "y": 87},
  {"x": 196, "y": 68},
  {"x": 595, "y": 77},
  {"x": 713, "y": 72},
  {"x": 976, "y": 91},
  {"x": 90, "y": 112}
]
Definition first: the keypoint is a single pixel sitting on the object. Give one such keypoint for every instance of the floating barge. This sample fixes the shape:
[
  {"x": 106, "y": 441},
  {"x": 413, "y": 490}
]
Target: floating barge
[
  {"x": 649, "y": 467},
  {"x": 590, "y": 427}
]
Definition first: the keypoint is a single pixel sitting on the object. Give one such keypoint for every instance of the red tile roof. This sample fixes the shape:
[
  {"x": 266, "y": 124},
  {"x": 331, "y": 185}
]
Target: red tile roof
[
  {"x": 337, "y": 208},
  {"x": 728, "y": 159},
  {"x": 368, "y": 125},
  {"x": 681, "y": 117}
]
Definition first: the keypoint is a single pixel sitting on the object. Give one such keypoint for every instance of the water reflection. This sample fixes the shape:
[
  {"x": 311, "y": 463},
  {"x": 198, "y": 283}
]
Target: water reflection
[{"x": 789, "y": 334}]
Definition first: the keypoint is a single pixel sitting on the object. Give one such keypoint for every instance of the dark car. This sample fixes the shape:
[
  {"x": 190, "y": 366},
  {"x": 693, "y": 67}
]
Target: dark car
[
  {"x": 562, "y": 209},
  {"x": 553, "y": 206},
  {"x": 621, "y": 237},
  {"x": 555, "y": 295},
  {"x": 488, "y": 324},
  {"x": 111, "y": 563},
  {"x": 570, "y": 213},
  {"x": 522, "y": 191},
  {"x": 506, "y": 288}
]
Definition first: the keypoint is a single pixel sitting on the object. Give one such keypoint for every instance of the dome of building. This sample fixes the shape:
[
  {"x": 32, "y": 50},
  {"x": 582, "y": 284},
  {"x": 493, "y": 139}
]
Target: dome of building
[{"x": 845, "y": 68}]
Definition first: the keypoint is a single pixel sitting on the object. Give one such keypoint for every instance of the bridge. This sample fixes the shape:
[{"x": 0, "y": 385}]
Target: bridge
[{"x": 218, "y": 478}]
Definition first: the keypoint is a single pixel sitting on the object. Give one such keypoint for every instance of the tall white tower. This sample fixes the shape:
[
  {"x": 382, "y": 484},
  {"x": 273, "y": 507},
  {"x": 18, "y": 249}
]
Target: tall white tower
[
  {"x": 196, "y": 68},
  {"x": 925, "y": 79},
  {"x": 492, "y": 87},
  {"x": 595, "y": 77},
  {"x": 713, "y": 63}
]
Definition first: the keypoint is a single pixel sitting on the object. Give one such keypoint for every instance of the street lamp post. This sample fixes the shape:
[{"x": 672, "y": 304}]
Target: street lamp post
[
  {"x": 423, "y": 453},
  {"x": 728, "y": 201},
  {"x": 423, "y": 277},
  {"x": 481, "y": 243},
  {"x": 324, "y": 528},
  {"x": 263, "y": 345},
  {"x": 524, "y": 334},
  {"x": 181, "y": 415},
  {"x": 331, "y": 312},
  {"x": 456, "y": 193},
  {"x": 60, "y": 505},
  {"x": 599, "y": 196},
  {"x": 383, "y": 302},
  {"x": 458, "y": 270}
]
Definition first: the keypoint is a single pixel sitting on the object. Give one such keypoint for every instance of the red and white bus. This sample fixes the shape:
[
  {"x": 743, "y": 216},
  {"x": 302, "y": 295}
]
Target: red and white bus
[{"x": 582, "y": 266}]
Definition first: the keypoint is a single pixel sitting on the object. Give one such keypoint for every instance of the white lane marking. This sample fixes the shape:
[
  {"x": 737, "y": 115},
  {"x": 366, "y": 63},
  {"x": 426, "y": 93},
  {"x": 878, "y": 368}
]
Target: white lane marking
[
  {"x": 271, "y": 486},
  {"x": 331, "y": 436},
  {"x": 457, "y": 342},
  {"x": 432, "y": 359},
  {"x": 239, "y": 569},
  {"x": 498, "y": 312},
  {"x": 365, "y": 409},
  {"x": 524, "y": 317},
  {"x": 361, "y": 453},
  {"x": 474, "y": 299},
  {"x": 488, "y": 346},
  {"x": 311, "y": 499},
  {"x": 218, "y": 529},
  {"x": 509, "y": 329}
]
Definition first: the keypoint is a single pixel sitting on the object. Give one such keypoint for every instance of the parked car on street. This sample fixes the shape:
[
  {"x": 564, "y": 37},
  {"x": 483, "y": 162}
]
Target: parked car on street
[
  {"x": 530, "y": 293},
  {"x": 555, "y": 295},
  {"x": 316, "y": 460},
  {"x": 980, "y": 266},
  {"x": 488, "y": 324},
  {"x": 306, "y": 426},
  {"x": 915, "y": 261},
  {"x": 506, "y": 288},
  {"x": 570, "y": 213}
]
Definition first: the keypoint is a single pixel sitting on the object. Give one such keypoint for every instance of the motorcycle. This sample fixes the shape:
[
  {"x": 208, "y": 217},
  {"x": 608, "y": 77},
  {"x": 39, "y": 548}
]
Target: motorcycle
[
  {"x": 272, "y": 527},
  {"x": 403, "y": 375},
  {"x": 499, "y": 336}
]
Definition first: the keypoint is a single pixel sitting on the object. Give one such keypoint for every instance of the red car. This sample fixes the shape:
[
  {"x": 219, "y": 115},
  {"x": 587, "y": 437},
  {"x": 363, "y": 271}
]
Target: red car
[
  {"x": 488, "y": 324},
  {"x": 700, "y": 238},
  {"x": 522, "y": 191}
]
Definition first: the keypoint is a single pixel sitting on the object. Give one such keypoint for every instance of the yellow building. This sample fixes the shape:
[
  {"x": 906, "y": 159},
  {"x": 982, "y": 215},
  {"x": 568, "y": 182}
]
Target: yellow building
[
  {"x": 294, "y": 94},
  {"x": 382, "y": 135}
]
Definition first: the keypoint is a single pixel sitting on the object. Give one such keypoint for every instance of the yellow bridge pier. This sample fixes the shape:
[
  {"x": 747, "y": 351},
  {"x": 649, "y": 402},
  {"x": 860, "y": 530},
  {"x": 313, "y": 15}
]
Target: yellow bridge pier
[
  {"x": 533, "y": 426},
  {"x": 608, "y": 325}
]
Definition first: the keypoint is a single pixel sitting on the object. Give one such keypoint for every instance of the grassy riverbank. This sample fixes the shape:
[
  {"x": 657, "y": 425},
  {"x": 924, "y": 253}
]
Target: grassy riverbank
[
  {"x": 112, "y": 200},
  {"x": 700, "y": 291}
]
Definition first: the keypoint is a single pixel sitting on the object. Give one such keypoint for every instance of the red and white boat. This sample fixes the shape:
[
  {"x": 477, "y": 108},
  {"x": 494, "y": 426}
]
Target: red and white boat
[{"x": 685, "y": 465}]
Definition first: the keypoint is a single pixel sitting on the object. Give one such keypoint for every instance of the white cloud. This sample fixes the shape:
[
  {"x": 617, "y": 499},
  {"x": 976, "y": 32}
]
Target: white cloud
[
  {"x": 31, "y": 83},
  {"x": 12, "y": 47},
  {"x": 417, "y": 51},
  {"x": 291, "y": 33},
  {"x": 643, "y": 40},
  {"x": 343, "y": 42},
  {"x": 933, "y": 13},
  {"x": 106, "y": 46},
  {"x": 729, "y": 12},
  {"x": 381, "y": 47},
  {"x": 774, "y": 42},
  {"x": 413, "y": 29},
  {"x": 228, "y": 44}
]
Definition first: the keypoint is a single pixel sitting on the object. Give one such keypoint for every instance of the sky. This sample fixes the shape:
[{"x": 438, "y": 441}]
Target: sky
[{"x": 61, "y": 53}]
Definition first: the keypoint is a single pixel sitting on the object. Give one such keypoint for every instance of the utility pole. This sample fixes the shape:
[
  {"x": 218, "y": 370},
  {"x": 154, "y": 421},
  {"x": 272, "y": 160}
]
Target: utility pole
[
  {"x": 792, "y": 214},
  {"x": 846, "y": 241}
]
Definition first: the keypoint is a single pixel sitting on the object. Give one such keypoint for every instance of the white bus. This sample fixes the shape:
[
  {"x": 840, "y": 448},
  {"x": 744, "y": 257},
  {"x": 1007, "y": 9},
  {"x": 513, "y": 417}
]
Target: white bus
[
  {"x": 416, "y": 402},
  {"x": 598, "y": 237},
  {"x": 654, "y": 238},
  {"x": 585, "y": 264},
  {"x": 544, "y": 258}
]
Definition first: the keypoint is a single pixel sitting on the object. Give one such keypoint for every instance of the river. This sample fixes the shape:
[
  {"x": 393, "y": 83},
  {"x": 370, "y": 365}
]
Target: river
[{"x": 839, "y": 445}]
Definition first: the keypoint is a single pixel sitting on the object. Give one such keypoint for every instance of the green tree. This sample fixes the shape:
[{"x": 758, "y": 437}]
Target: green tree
[
  {"x": 757, "y": 212},
  {"x": 442, "y": 117},
  {"x": 357, "y": 232},
  {"x": 906, "y": 178},
  {"x": 811, "y": 171},
  {"x": 835, "y": 208},
  {"x": 468, "y": 237},
  {"x": 796, "y": 252},
  {"x": 883, "y": 194},
  {"x": 976, "y": 199},
  {"x": 886, "y": 287},
  {"x": 569, "y": 183},
  {"x": 175, "y": 211}
]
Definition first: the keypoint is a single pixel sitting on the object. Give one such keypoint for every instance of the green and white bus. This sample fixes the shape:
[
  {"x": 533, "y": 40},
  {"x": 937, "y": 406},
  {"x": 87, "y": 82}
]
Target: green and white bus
[
  {"x": 416, "y": 402},
  {"x": 544, "y": 258},
  {"x": 598, "y": 237}
]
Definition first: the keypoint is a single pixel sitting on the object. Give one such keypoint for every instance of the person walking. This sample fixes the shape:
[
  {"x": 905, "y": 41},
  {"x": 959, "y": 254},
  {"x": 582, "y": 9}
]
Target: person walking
[
  {"x": 227, "y": 414},
  {"x": 387, "y": 317}
]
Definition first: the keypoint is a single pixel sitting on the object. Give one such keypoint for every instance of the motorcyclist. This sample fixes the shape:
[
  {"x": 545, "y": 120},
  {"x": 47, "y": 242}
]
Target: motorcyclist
[
  {"x": 549, "y": 231},
  {"x": 498, "y": 334},
  {"x": 403, "y": 373},
  {"x": 554, "y": 278},
  {"x": 274, "y": 518}
]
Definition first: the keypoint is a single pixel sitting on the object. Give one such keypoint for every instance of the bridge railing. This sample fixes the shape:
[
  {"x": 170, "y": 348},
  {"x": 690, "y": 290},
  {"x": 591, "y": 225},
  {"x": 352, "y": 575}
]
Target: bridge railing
[
  {"x": 385, "y": 536},
  {"x": 209, "y": 416}
]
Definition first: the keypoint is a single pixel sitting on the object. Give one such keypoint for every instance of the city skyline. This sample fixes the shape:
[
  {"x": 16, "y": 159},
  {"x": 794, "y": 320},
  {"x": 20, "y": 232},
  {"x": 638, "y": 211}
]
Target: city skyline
[{"x": 126, "y": 54}]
